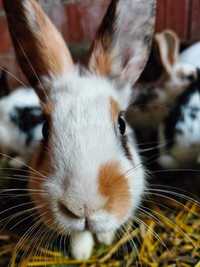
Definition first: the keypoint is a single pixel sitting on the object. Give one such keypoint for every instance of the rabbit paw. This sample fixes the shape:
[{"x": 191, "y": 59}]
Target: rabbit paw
[{"x": 82, "y": 244}]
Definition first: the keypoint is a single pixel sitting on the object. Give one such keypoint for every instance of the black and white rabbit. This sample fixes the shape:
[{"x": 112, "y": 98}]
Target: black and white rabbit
[
  {"x": 21, "y": 121},
  {"x": 152, "y": 101},
  {"x": 180, "y": 131}
]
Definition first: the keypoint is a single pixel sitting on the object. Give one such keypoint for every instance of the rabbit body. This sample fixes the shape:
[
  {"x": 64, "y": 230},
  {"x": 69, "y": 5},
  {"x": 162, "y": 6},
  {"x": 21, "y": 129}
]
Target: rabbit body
[
  {"x": 180, "y": 131},
  {"x": 20, "y": 124}
]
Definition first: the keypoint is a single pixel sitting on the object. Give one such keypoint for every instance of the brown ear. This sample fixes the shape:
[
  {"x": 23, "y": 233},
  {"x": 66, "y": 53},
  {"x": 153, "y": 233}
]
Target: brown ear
[
  {"x": 169, "y": 46},
  {"x": 40, "y": 49},
  {"x": 123, "y": 41}
]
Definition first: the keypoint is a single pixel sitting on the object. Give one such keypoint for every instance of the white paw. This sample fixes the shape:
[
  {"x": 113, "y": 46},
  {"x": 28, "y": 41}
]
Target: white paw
[
  {"x": 82, "y": 244},
  {"x": 106, "y": 238}
]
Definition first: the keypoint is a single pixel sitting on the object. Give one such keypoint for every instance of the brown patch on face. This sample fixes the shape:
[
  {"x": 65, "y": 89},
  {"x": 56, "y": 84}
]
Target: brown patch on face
[
  {"x": 115, "y": 109},
  {"x": 114, "y": 186}
]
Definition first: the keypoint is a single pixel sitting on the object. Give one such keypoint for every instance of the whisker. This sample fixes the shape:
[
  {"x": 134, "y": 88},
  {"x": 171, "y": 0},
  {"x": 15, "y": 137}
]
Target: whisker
[
  {"x": 151, "y": 231},
  {"x": 33, "y": 70},
  {"x": 13, "y": 76}
]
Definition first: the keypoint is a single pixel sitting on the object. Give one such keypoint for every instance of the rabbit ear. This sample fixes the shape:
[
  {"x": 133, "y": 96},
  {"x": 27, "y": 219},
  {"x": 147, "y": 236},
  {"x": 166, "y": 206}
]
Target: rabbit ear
[
  {"x": 40, "y": 49},
  {"x": 4, "y": 86},
  {"x": 123, "y": 41},
  {"x": 169, "y": 46}
]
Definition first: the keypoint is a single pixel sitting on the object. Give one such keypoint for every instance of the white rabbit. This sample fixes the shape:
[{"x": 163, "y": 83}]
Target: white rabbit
[
  {"x": 21, "y": 122},
  {"x": 94, "y": 179}
]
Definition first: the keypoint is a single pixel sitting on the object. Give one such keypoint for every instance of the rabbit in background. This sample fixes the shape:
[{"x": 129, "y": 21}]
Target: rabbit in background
[
  {"x": 153, "y": 101},
  {"x": 180, "y": 131},
  {"x": 171, "y": 105},
  {"x": 21, "y": 121}
]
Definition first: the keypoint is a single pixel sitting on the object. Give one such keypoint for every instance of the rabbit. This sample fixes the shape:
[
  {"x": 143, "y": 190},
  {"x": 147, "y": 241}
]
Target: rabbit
[
  {"x": 94, "y": 177},
  {"x": 180, "y": 131},
  {"x": 21, "y": 121},
  {"x": 151, "y": 102}
]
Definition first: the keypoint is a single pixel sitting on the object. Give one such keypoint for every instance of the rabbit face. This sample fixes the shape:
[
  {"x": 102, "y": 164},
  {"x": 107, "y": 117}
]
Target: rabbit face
[
  {"x": 89, "y": 171},
  {"x": 94, "y": 169},
  {"x": 182, "y": 75}
]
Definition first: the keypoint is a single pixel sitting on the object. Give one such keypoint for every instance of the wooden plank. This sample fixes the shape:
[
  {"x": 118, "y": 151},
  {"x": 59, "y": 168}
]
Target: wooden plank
[
  {"x": 195, "y": 21},
  {"x": 178, "y": 17},
  {"x": 161, "y": 15}
]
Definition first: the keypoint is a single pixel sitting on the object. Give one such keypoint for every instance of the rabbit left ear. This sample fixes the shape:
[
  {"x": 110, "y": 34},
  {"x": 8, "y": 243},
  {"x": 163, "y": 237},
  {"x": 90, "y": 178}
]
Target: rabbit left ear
[
  {"x": 4, "y": 86},
  {"x": 40, "y": 49},
  {"x": 124, "y": 39}
]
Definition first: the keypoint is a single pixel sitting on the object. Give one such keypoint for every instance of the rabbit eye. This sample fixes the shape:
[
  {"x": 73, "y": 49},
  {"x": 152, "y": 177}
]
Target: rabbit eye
[
  {"x": 45, "y": 130},
  {"x": 122, "y": 125}
]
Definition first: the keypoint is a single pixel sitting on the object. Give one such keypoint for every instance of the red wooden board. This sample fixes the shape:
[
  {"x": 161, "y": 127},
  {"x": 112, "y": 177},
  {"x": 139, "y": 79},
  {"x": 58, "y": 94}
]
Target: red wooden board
[{"x": 195, "y": 21}]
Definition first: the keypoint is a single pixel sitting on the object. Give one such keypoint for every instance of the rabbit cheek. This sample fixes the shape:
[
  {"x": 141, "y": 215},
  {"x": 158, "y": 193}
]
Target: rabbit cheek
[{"x": 113, "y": 185}]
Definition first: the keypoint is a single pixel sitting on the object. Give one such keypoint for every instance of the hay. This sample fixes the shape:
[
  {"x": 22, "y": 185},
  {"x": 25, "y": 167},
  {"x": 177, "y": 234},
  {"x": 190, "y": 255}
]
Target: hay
[{"x": 167, "y": 237}]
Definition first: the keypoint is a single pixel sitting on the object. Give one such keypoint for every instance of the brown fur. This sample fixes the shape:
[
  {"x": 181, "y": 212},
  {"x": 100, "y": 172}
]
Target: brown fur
[
  {"x": 115, "y": 109},
  {"x": 100, "y": 61},
  {"x": 114, "y": 186}
]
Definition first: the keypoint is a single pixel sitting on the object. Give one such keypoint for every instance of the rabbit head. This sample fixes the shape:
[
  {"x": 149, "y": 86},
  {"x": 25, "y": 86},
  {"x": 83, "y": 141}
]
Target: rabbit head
[
  {"x": 178, "y": 75},
  {"x": 89, "y": 172}
]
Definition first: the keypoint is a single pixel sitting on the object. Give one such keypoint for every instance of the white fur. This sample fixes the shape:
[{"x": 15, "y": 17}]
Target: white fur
[
  {"x": 191, "y": 55},
  {"x": 82, "y": 244},
  {"x": 106, "y": 238}
]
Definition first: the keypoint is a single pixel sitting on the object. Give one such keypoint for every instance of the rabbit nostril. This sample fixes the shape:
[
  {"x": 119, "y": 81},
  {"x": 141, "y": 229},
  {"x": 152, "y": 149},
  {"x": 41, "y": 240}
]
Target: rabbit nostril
[{"x": 66, "y": 211}]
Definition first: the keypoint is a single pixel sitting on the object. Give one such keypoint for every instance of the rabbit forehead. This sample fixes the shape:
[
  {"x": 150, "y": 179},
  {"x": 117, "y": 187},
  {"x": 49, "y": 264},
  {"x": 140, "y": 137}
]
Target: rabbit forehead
[{"x": 85, "y": 126}]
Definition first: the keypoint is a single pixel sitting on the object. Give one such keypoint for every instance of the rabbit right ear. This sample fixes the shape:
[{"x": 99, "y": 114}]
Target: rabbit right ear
[
  {"x": 123, "y": 42},
  {"x": 4, "y": 86},
  {"x": 169, "y": 46},
  {"x": 40, "y": 49}
]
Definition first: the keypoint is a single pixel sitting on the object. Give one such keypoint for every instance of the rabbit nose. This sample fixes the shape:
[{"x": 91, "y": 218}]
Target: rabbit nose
[{"x": 70, "y": 211}]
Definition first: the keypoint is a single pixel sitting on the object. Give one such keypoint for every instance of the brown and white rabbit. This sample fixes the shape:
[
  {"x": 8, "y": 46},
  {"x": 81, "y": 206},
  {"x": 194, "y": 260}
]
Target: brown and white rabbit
[
  {"x": 152, "y": 101},
  {"x": 94, "y": 178}
]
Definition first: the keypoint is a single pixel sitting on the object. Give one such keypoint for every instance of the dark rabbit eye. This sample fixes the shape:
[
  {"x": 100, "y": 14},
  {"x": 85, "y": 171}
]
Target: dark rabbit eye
[
  {"x": 122, "y": 125},
  {"x": 45, "y": 130}
]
